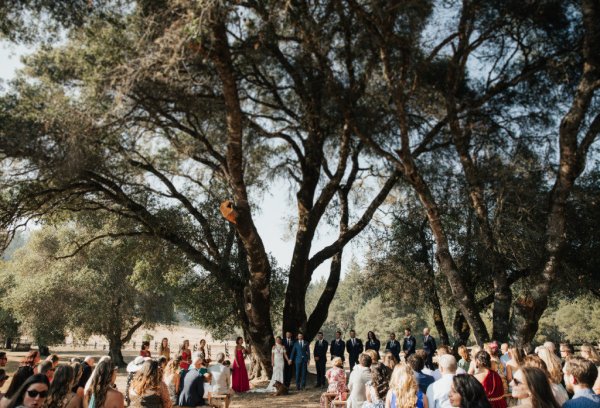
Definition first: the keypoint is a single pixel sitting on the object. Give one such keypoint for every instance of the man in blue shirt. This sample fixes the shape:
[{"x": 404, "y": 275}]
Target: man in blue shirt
[
  {"x": 417, "y": 364},
  {"x": 580, "y": 375}
]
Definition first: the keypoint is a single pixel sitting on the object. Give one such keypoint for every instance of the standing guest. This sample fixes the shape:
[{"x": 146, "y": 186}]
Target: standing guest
[
  {"x": 19, "y": 378},
  {"x": 409, "y": 344},
  {"x": 192, "y": 387},
  {"x": 559, "y": 392},
  {"x": 467, "y": 392},
  {"x": 279, "y": 359},
  {"x": 465, "y": 358},
  {"x": 438, "y": 392},
  {"x": 147, "y": 388},
  {"x": 566, "y": 351},
  {"x": 77, "y": 372},
  {"x": 336, "y": 379},
  {"x": 132, "y": 368},
  {"x": 164, "y": 349},
  {"x": 101, "y": 393},
  {"x": 373, "y": 342},
  {"x": 338, "y": 347},
  {"x": 301, "y": 357},
  {"x": 3, "y": 359},
  {"x": 46, "y": 368},
  {"x": 359, "y": 377},
  {"x": 417, "y": 363},
  {"x": 221, "y": 379},
  {"x": 516, "y": 359},
  {"x": 490, "y": 379},
  {"x": 32, "y": 393},
  {"x": 87, "y": 367},
  {"x": 145, "y": 350},
  {"x": 354, "y": 347},
  {"x": 240, "y": 374},
  {"x": 393, "y": 346},
  {"x": 32, "y": 359},
  {"x": 172, "y": 378},
  {"x": 531, "y": 387},
  {"x": 580, "y": 375},
  {"x": 404, "y": 392},
  {"x": 378, "y": 387},
  {"x": 61, "y": 393},
  {"x": 389, "y": 360},
  {"x": 54, "y": 359},
  {"x": 288, "y": 369},
  {"x": 320, "y": 356},
  {"x": 588, "y": 351},
  {"x": 429, "y": 346},
  {"x": 186, "y": 355}
]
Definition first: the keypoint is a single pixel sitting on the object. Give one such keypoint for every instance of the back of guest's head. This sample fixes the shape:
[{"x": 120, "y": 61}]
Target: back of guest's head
[
  {"x": 463, "y": 352},
  {"x": 447, "y": 363},
  {"x": 337, "y": 362},
  {"x": 474, "y": 350},
  {"x": 45, "y": 367},
  {"x": 550, "y": 346},
  {"x": 404, "y": 385},
  {"x": 588, "y": 351},
  {"x": 374, "y": 356},
  {"x": 77, "y": 371},
  {"x": 147, "y": 378},
  {"x": 421, "y": 353},
  {"x": 226, "y": 363},
  {"x": 173, "y": 366},
  {"x": 196, "y": 357},
  {"x": 18, "y": 378},
  {"x": 472, "y": 394},
  {"x": 101, "y": 381},
  {"x": 18, "y": 397},
  {"x": 62, "y": 382},
  {"x": 583, "y": 371},
  {"x": 552, "y": 363},
  {"x": 535, "y": 361},
  {"x": 53, "y": 358},
  {"x": 517, "y": 353},
  {"x": 162, "y": 361},
  {"x": 443, "y": 349},
  {"x": 389, "y": 360},
  {"x": 365, "y": 360},
  {"x": 145, "y": 345},
  {"x": 220, "y": 358},
  {"x": 416, "y": 362},
  {"x": 539, "y": 388},
  {"x": 380, "y": 375},
  {"x": 31, "y": 359},
  {"x": 483, "y": 359}
]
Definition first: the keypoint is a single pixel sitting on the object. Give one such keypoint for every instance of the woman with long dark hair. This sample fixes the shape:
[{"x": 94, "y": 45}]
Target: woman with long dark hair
[
  {"x": 32, "y": 359},
  {"x": 101, "y": 393},
  {"x": 490, "y": 379},
  {"x": 77, "y": 373},
  {"x": 531, "y": 387},
  {"x": 32, "y": 393},
  {"x": 164, "y": 349},
  {"x": 18, "y": 379},
  {"x": 145, "y": 351},
  {"x": 372, "y": 343},
  {"x": 148, "y": 389},
  {"x": 61, "y": 394},
  {"x": 467, "y": 392},
  {"x": 378, "y": 387},
  {"x": 240, "y": 382}
]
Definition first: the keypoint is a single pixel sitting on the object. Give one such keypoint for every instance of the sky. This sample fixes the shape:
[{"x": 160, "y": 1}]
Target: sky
[{"x": 276, "y": 208}]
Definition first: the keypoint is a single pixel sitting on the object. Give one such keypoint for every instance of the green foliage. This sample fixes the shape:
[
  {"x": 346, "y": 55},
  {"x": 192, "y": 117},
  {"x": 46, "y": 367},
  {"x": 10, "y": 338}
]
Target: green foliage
[{"x": 573, "y": 320}]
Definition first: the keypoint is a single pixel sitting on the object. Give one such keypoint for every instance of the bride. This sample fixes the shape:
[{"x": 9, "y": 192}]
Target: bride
[{"x": 278, "y": 359}]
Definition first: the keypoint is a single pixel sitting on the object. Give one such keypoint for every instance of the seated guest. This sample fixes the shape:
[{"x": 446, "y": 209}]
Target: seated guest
[
  {"x": 61, "y": 393},
  {"x": 491, "y": 381},
  {"x": 3, "y": 359},
  {"x": 421, "y": 353},
  {"x": 404, "y": 391},
  {"x": 3, "y": 378},
  {"x": 417, "y": 363},
  {"x": 531, "y": 387},
  {"x": 54, "y": 359},
  {"x": 46, "y": 368},
  {"x": 101, "y": 392},
  {"x": 374, "y": 357},
  {"x": 465, "y": 359},
  {"x": 441, "y": 351},
  {"x": 437, "y": 393},
  {"x": 359, "y": 377},
  {"x": 559, "y": 392},
  {"x": 221, "y": 380},
  {"x": 466, "y": 391},
  {"x": 378, "y": 387},
  {"x": 389, "y": 360},
  {"x": 580, "y": 375},
  {"x": 32, "y": 393},
  {"x": 147, "y": 388},
  {"x": 192, "y": 389},
  {"x": 336, "y": 378},
  {"x": 588, "y": 351},
  {"x": 172, "y": 379},
  {"x": 18, "y": 379}
]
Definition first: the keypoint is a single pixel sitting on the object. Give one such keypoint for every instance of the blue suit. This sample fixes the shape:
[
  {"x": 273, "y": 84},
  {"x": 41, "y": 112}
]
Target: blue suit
[{"x": 301, "y": 356}]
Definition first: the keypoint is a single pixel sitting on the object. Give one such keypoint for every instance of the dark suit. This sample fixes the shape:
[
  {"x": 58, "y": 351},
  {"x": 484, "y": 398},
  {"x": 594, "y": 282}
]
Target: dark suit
[
  {"x": 409, "y": 345},
  {"x": 320, "y": 351},
  {"x": 429, "y": 347},
  {"x": 192, "y": 389},
  {"x": 354, "y": 349},
  {"x": 394, "y": 348},
  {"x": 337, "y": 349},
  {"x": 373, "y": 345},
  {"x": 288, "y": 369},
  {"x": 301, "y": 356}
]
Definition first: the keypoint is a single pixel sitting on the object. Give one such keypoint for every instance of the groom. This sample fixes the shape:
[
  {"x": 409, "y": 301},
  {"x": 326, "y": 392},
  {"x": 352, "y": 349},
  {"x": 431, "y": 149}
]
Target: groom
[{"x": 300, "y": 356}]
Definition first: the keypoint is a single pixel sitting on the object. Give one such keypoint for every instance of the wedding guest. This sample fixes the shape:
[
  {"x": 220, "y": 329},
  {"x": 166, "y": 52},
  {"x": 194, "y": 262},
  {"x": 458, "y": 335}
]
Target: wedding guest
[
  {"x": 389, "y": 360},
  {"x": 531, "y": 387},
  {"x": 393, "y": 346},
  {"x": 147, "y": 388},
  {"x": 221, "y": 380},
  {"x": 87, "y": 367},
  {"x": 192, "y": 387},
  {"x": 354, "y": 347},
  {"x": 3, "y": 378},
  {"x": 320, "y": 357},
  {"x": 54, "y": 359},
  {"x": 580, "y": 375},
  {"x": 417, "y": 363},
  {"x": 77, "y": 373},
  {"x": 46, "y": 368},
  {"x": 374, "y": 357},
  {"x": 438, "y": 392},
  {"x": 101, "y": 392},
  {"x": 132, "y": 368},
  {"x": 566, "y": 351},
  {"x": 145, "y": 350},
  {"x": 404, "y": 391},
  {"x": 516, "y": 359},
  {"x": 559, "y": 392},
  {"x": 336, "y": 379},
  {"x": 3, "y": 359},
  {"x": 430, "y": 347},
  {"x": 409, "y": 344},
  {"x": 378, "y": 387},
  {"x": 441, "y": 351},
  {"x": 490, "y": 379},
  {"x": 32, "y": 359},
  {"x": 588, "y": 351},
  {"x": 32, "y": 393},
  {"x": 61, "y": 393},
  {"x": 465, "y": 358},
  {"x": 172, "y": 379},
  {"x": 467, "y": 392},
  {"x": 18, "y": 379},
  {"x": 358, "y": 380}
]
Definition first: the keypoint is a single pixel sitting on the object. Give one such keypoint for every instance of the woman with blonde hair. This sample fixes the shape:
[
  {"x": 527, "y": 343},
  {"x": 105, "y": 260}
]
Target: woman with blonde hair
[
  {"x": 516, "y": 359},
  {"x": 553, "y": 364},
  {"x": 336, "y": 378},
  {"x": 559, "y": 392},
  {"x": 474, "y": 350},
  {"x": 465, "y": 358},
  {"x": 147, "y": 388},
  {"x": 374, "y": 357},
  {"x": 172, "y": 378},
  {"x": 164, "y": 349},
  {"x": 404, "y": 391},
  {"x": 588, "y": 351},
  {"x": 389, "y": 360}
]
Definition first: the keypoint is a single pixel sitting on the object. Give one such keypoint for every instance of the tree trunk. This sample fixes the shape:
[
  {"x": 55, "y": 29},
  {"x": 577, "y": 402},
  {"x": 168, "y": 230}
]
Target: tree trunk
[
  {"x": 461, "y": 329},
  {"x": 114, "y": 350}
]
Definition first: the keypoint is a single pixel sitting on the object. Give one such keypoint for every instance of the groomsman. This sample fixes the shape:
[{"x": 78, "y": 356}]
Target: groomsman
[
  {"x": 354, "y": 347},
  {"x": 288, "y": 369},
  {"x": 338, "y": 347},
  {"x": 393, "y": 346},
  {"x": 320, "y": 356},
  {"x": 409, "y": 344},
  {"x": 429, "y": 347}
]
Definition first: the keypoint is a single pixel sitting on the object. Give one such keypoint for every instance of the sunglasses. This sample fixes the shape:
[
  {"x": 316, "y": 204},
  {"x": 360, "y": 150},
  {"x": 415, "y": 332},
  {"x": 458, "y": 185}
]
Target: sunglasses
[{"x": 35, "y": 393}]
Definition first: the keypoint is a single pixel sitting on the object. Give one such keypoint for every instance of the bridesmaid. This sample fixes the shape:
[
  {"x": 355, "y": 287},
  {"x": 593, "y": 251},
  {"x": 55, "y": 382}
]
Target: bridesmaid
[
  {"x": 186, "y": 355},
  {"x": 240, "y": 382}
]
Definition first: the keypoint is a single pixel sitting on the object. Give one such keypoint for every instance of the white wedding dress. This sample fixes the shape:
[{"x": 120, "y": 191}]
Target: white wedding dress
[{"x": 279, "y": 363}]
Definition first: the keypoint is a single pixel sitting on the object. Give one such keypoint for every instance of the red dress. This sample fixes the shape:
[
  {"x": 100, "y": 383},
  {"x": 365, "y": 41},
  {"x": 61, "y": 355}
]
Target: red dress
[
  {"x": 494, "y": 389},
  {"x": 239, "y": 381},
  {"x": 185, "y": 360}
]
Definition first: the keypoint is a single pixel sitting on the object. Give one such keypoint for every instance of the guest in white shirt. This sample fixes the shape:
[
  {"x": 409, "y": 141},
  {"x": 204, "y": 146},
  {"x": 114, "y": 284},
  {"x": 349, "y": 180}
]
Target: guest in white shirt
[
  {"x": 221, "y": 380},
  {"x": 360, "y": 376},
  {"x": 437, "y": 393}
]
